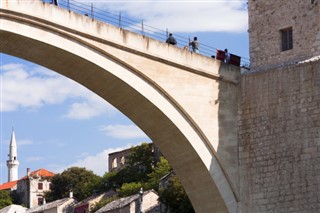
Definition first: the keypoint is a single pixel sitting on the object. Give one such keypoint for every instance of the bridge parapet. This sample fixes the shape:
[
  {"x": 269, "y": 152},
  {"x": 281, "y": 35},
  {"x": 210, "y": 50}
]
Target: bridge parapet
[
  {"x": 182, "y": 100},
  {"x": 122, "y": 38}
]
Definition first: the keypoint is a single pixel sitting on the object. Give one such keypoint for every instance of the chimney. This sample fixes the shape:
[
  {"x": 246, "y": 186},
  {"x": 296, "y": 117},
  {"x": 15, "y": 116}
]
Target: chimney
[
  {"x": 28, "y": 172},
  {"x": 71, "y": 194}
]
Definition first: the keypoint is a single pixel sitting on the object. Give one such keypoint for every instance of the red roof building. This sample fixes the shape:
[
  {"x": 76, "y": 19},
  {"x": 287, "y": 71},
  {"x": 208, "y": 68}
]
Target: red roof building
[
  {"x": 31, "y": 187},
  {"x": 10, "y": 186},
  {"x": 38, "y": 173}
]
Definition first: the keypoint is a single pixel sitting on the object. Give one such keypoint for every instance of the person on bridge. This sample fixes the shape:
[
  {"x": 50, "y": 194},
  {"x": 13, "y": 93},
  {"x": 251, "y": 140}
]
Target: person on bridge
[
  {"x": 171, "y": 40},
  {"x": 55, "y": 2},
  {"x": 227, "y": 56},
  {"x": 195, "y": 45}
]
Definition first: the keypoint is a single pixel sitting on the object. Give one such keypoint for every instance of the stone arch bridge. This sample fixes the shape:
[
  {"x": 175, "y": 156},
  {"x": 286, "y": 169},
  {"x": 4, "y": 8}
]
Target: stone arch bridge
[{"x": 186, "y": 103}]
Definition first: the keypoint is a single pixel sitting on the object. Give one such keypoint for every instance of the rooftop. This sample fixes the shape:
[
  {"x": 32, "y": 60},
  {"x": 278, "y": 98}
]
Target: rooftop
[
  {"x": 13, "y": 209},
  {"x": 122, "y": 202},
  {"x": 53, "y": 204},
  {"x": 8, "y": 185},
  {"x": 40, "y": 173}
]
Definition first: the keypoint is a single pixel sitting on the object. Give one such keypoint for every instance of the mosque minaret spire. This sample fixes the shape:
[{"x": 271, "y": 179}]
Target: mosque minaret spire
[{"x": 13, "y": 163}]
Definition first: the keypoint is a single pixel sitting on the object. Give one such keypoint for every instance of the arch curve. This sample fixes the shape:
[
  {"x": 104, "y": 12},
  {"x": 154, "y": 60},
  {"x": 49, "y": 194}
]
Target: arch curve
[{"x": 134, "y": 94}]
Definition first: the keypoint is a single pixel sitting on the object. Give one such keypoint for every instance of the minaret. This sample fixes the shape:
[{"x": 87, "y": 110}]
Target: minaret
[{"x": 13, "y": 163}]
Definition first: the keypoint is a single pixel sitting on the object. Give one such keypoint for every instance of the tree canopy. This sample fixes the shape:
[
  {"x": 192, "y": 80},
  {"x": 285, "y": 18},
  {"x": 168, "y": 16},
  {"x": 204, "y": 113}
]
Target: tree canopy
[
  {"x": 79, "y": 180},
  {"x": 142, "y": 170},
  {"x": 140, "y": 163},
  {"x": 175, "y": 198},
  {"x": 130, "y": 179},
  {"x": 5, "y": 199}
]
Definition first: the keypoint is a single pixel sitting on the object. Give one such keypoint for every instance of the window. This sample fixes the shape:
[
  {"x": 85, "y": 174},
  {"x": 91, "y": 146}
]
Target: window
[
  {"x": 40, "y": 185},
  {"x": 40, "y": 200},
  {"x": 286, "y": 39},
  {"x": 123, "y": 160},
  {"x": 114, "y": 163}
]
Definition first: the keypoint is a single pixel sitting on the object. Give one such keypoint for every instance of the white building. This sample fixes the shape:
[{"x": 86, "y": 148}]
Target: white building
[{"x": 31, "y": 188}]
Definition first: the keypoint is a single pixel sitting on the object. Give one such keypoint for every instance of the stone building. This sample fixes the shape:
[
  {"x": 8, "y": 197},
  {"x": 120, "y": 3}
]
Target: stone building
[
  {"x": 164, "y": 183},
  {"x": 117, "y": 160},
  {"x": 9, "y": 186},
  {"x": 133, "y": 204},
  {"x": 283, "y": 32},
  {"x": 31, "y": 188},
  {"x": 89, "y": 203},
  {"x": 279, "y": 109},
  {"x": 58, "y": 206}
]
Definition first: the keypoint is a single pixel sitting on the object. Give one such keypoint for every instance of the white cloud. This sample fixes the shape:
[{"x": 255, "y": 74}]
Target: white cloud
[
  {"x": 123, "y": 131},
  {"x": 92, "y": 106},
  {"x": 97, "y": 163},
  {"x": 32, "y": 88},
  {"x": 185, "y": 16}
]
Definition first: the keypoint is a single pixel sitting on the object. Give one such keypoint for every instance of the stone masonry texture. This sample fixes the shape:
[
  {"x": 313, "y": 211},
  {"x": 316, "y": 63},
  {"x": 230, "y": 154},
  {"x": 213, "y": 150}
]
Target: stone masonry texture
[
  {"x": 279, "y": 140},
  {"x": 268, "y": 17}
]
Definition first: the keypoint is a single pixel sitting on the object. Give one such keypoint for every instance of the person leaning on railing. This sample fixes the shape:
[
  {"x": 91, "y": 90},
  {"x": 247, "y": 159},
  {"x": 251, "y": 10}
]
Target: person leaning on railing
[
  {"x": 55, "y": 2},
  {"x": 195, "y": 45},
  {"x": 171, "y": 40}
]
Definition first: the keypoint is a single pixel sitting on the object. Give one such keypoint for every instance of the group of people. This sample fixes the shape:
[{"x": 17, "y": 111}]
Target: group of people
[{"x": 194, "y": 44}]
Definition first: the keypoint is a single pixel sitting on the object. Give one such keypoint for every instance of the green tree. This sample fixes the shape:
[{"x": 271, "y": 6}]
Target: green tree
[
  {"x": 139, "y": 163},
  {"x": 5, "y": 199},
  {"x": 102, "y": 203},
  {"x": 142, "y": 160},
  {"x": 175, "y": 198},
  {"x": 143, "y": 171},
  {"x": 79, "y": 180},
  {"x": 128, "y": 189},
  {"x": 108, "y": 181},
  {"x": 161, "y": 169}
]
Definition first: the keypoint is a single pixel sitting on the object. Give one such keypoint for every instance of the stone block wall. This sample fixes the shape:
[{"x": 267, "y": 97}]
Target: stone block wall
[
  {"x": 267, "y": 18},
  {"x": 279, "y": 140}
]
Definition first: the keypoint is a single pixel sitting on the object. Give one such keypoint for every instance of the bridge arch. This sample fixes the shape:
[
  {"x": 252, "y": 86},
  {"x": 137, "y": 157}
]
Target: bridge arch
[{"x": 107, "y": 68}]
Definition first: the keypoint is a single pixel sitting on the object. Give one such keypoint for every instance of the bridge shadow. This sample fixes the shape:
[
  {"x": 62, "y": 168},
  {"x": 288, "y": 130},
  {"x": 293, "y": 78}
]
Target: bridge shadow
[{"x": 227, "y": 149}]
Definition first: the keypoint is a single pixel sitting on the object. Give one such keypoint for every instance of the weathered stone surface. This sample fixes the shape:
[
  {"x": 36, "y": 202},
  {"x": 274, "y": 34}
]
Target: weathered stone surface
[
  {"x": 185, "y": 102},
  {"x": 267, "y": 18},
  {"x": 279, "y": 140}
]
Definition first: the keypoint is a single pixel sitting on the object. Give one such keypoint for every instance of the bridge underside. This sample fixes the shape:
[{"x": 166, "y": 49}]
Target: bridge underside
[{"x": 145, "y": 94}]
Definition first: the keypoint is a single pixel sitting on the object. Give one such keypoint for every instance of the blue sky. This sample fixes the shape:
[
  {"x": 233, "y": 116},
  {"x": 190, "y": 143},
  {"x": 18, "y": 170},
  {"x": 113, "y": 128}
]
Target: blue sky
[{"x": 58, "y": 123}]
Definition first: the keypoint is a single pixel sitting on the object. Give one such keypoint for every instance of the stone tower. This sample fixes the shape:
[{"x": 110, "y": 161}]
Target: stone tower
[
  {"x": 283, "y": 32},
  {"x": 279, "y": 109},
  {"x": 12, "y": 163}
]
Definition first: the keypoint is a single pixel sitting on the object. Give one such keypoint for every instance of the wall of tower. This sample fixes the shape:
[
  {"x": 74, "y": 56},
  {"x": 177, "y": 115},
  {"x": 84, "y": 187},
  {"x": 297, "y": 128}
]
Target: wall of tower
[
  {"x": 279, "y": 140},
  {"x": 12, "y": 163},
  {"x": 267, "y": 19},
  {"x": 12, "y": 170}
]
